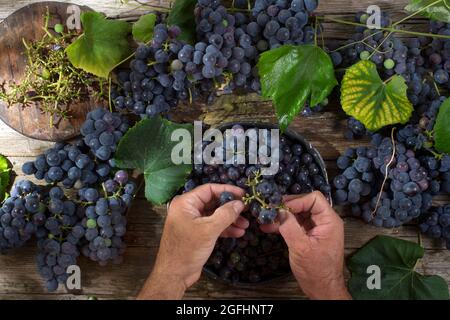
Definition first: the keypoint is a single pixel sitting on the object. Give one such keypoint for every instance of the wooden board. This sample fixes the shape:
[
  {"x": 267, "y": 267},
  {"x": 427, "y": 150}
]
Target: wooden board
[
  {"x": 27, "y": 24},
  {"x": 18, "y": 275}
]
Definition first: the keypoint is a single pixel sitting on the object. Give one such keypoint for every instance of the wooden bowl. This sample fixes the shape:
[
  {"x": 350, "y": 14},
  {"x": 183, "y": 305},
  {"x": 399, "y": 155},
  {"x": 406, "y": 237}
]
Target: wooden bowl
[{"x": 27, "y": 24}]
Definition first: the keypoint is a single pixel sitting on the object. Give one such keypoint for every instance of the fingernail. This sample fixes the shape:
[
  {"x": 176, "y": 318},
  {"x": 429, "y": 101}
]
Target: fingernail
[
  {"x": 238, "y": 206},
  {"x": 282, "y": 215}
]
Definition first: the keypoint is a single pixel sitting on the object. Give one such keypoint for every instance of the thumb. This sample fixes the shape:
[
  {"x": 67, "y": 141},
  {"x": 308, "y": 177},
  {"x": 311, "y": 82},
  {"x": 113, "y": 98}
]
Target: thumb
[
  {"x": 292, "y": 232},
  {"x": 226, "y": 215}
]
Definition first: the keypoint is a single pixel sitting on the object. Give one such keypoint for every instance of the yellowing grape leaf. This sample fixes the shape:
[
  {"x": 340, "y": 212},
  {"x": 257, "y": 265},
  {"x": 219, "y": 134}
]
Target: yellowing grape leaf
[
  {"x": 375, "y": 103},
  {"x": 5, "y": 173}
]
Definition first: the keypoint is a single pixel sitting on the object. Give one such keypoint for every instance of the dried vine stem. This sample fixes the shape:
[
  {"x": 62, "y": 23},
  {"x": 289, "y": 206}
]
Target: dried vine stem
[{"x": 386, "y": 173}]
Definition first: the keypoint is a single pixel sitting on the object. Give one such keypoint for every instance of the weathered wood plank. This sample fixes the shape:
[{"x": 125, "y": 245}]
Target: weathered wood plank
[
  {"x": 19, "y": 278},
  {"x": 112, "y": 8},
  {"x": 124, "y": 281}
]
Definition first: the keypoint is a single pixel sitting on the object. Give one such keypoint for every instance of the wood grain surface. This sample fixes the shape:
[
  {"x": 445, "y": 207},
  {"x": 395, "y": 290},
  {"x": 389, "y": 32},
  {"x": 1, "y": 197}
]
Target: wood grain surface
[{"x": 18, "y": 275}]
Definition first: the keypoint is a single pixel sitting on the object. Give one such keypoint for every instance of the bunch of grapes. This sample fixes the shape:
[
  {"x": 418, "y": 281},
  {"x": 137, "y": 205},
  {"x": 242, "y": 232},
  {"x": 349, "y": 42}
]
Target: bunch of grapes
[
  {"x": 91, "y": 222},
  {"x": 225, "y": 46},
  {"x": 406, "y": 191},
  {"x": 280, "y": 22},
  {"x": 63, "y": 226},
  {"x": 363, "y": 44},
  {"x": 417, "y": 133},
  {"x": 104, "y": 221},
  {"x": 224, "y": 56},
  {"x": 249, "y": 259},
  {"x": 436, "y": 224},
  {"x": 85, "y": 162},
  {"x": 67, "y": 163},
  {"x": 438, "y": 53},
  {"x": 102, "y": 132},
  {"x": 155, "y": 81},
  {"x": 21, "y": 215},
  {"x": 58, "y": 239}
]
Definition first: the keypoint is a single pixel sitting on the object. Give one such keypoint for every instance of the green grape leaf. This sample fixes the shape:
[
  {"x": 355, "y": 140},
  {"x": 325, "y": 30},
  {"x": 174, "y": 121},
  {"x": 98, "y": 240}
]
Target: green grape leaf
[
  {"x": 5, "y": 173},
  {"x": 375, "y": 103},
  {"x": 102, "y": 46},
  {"x": 439, "y": 11},
  {"x": 442, "y": 128},
  {"x": 143, "y": 28},
  {"x": 148, "y": 147},
  {"x": 396, "y": 260},
  {"x": 182, "y": 15},
  {"x": 290, "y": 75}
]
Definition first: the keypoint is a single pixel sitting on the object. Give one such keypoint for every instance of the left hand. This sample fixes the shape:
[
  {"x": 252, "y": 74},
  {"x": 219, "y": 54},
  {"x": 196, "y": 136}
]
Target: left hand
[{"x": 191, "y": 230}]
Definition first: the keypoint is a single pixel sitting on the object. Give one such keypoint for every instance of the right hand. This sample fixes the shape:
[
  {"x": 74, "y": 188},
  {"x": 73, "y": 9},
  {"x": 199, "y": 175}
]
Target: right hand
[{"x": 314, "y": 233}]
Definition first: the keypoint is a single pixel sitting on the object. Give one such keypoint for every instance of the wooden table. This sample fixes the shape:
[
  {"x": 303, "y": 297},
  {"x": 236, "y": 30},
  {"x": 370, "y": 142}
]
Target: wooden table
[{"x": 18, "y": 273}]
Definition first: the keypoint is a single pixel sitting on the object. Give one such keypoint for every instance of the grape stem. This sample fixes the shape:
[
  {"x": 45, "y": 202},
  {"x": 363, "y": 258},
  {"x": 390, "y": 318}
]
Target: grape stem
[
  {"x": 109, "y": 94},
  {"x": 385, "y": 173},
  {"x": 389, "y": 79},
  {"x": 417, "y": 12},
  {"x": 315, "y": 31},
  {"x": 420, "y": 243},
  {"x": 424, "y": 34},
  {"x": 355, "y": 42},
  {"x": 400, "y": 21},
  {"x": 252, "y": 183}
]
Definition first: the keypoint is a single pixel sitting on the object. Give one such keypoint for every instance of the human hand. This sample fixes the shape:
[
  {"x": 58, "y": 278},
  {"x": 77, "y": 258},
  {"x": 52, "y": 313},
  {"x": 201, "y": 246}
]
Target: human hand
[
  {"x": 314, "y": 234},
  {"x": 192, "y": 227}
]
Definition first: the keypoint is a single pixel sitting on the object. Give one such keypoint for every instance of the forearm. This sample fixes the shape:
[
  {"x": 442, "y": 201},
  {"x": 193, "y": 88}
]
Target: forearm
[{"x": 162, "y": 286}]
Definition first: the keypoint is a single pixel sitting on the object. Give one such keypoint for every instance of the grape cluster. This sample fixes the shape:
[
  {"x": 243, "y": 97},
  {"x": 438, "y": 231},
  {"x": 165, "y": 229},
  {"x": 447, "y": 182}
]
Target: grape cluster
[
  {"x": 438, "y": 53},
  {"x": 85, "y": 162},
  {"x": 392, "y": 55},
  {"x": 156, "y": 80},
  {"x": 405, "y": 194},
  {"x": 65, "y": 227},
  {"x": 225, "y": 46},
  {"x": 280, "y": 22},
  {"x": 92, "y": 221},
  {"x": 20, "y": 215},
  {"x": 58, "y": 239},
  {"x": 436, "y": 224},
  {"x": 363, "y": 43},
  {"x": 104, "y": 222},
  {"x": 224, "y": 56},
  {"x": 249, "y": 259},
  {"x": 439, "y": 170},
  {"x": 67, "y": 163},
  {"x": 415, "y": 134},
  {"x": 102, "y": 132}
]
